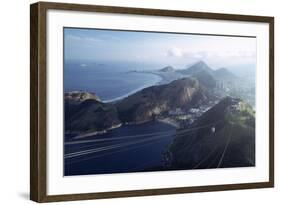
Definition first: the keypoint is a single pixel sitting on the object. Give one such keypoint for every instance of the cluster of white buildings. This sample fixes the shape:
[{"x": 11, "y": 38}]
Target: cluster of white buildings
[{"x": 188, "y": 117}]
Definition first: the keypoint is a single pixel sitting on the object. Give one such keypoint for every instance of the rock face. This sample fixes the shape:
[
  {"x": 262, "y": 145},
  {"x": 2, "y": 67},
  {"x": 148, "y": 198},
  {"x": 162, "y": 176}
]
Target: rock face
[
  {"x": 80, "y": 96},
  {"x": 145, "y": 105},
  {"x": 224, "y": 136}
]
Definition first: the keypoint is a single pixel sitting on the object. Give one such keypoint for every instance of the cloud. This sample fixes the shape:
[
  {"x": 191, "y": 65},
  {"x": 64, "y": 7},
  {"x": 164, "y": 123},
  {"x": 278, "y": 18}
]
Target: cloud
[
  {"x": 179, "y": 53},
  {"x": 174, "y": 52},
  {"x": 196, "y": 55}
]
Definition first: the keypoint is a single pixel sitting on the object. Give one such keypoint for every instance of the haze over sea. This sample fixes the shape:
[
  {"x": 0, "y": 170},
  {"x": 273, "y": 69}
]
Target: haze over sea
[{"x": 110, "y": 81}]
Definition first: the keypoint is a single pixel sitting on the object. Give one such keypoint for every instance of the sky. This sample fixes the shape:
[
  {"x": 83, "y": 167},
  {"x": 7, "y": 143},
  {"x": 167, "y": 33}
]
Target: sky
[{"x": 178, "y": 50}]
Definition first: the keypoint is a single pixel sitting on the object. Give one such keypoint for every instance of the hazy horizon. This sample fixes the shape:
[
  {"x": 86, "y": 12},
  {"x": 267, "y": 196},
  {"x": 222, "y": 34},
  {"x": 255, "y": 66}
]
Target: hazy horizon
[{"x": 160, "y": 49}]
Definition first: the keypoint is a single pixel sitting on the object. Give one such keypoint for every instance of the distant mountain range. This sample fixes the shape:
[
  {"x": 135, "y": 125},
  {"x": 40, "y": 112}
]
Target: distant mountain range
[
  {"x": 202, "y": 67},
  {"x": 204, "y": 74}
]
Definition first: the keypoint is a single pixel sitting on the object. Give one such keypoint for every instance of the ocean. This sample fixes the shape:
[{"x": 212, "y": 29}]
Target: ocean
[
  {"x": 129, "y": 148},
  {"x": 110, "y": 81}
]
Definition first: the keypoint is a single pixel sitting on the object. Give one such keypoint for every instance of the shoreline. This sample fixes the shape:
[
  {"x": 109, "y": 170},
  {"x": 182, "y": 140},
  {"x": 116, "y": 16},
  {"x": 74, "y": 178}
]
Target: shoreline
[{"x": 159, "y": 82}]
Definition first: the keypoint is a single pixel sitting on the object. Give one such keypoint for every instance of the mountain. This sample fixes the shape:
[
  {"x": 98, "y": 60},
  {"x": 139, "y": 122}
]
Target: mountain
[
  {"x": 85, "y": 113},
  {"x": 90, "y": 116},
  {"x": 205, "y": 78},
  {"x": 167, "y": 69},
  {"x": 208, "y": 77},
  {"x": 152, "y": 101},
  {"x": 224, "y": 136},
  {"x": 224, "y": 74},
  {"x": 202, "y": 72},
  {"x": 74, "y": 98},
  {"x": 195, "y": 68}
]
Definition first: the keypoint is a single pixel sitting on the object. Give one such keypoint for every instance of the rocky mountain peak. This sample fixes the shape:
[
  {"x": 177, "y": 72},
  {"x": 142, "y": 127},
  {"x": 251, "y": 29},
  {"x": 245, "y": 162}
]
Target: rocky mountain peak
[{"x": 80, "y": 96}]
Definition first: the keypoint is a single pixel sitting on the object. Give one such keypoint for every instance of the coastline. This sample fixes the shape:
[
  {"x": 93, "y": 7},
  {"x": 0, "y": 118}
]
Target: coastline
[
  {"x": 88, "y": 134},
  {"x": 159, "y": 82}
]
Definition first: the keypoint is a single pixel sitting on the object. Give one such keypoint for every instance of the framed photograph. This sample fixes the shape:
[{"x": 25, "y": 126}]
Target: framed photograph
[{"x": 135, "y": 102}]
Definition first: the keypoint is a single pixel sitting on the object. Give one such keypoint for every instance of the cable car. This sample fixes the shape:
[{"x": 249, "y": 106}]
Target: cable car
[{"x": 213, "y": 129}]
